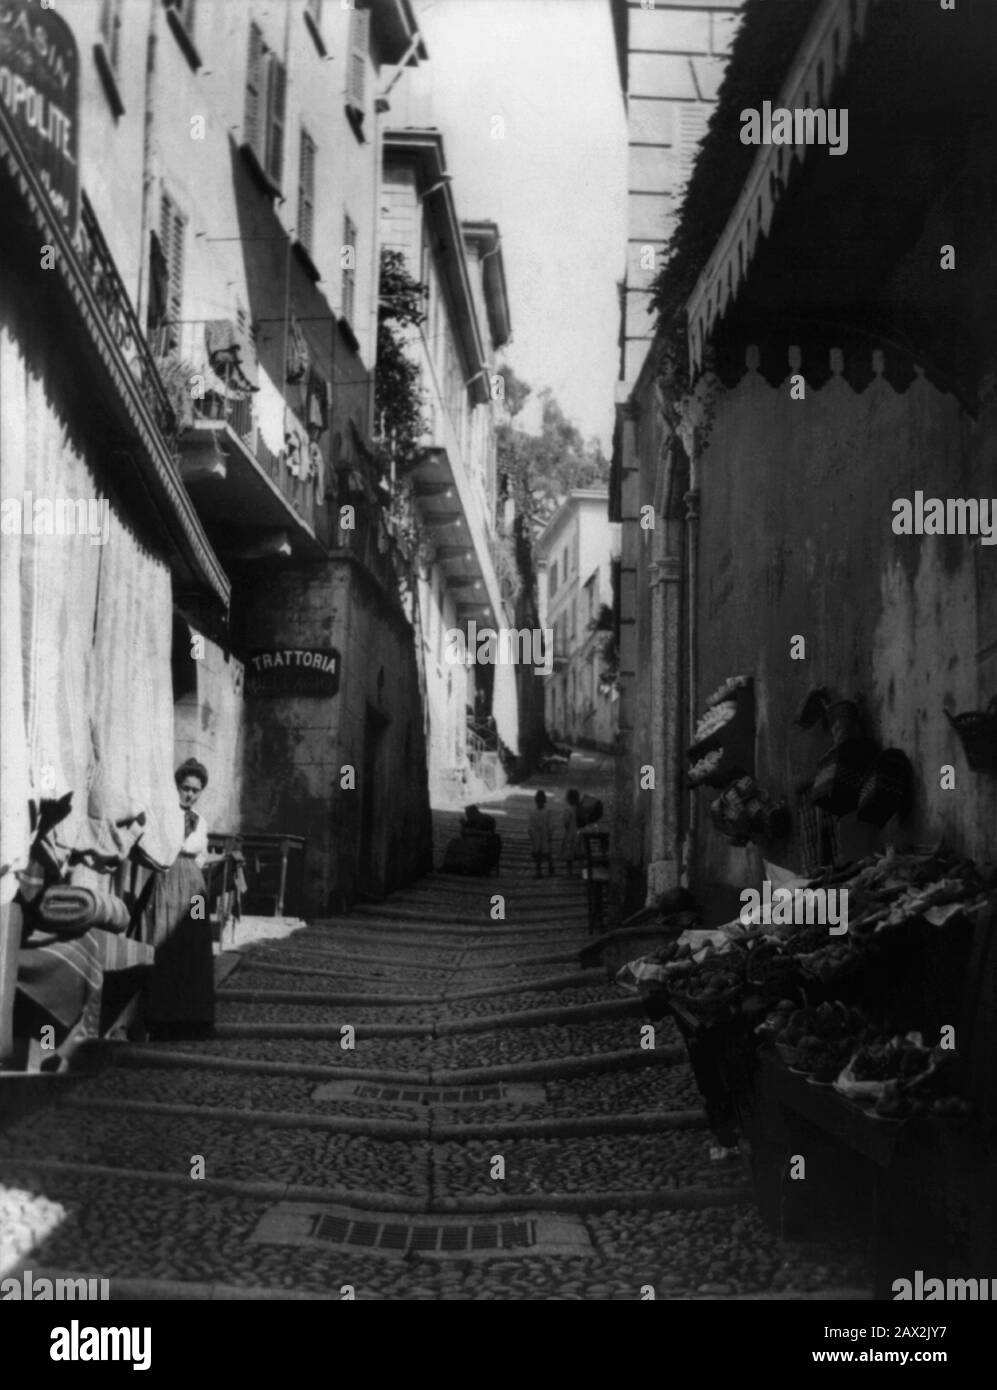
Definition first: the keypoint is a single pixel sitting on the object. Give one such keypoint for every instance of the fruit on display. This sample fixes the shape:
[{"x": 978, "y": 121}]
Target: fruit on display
[
  {"x": 706, "y": 767},
  {"x": 714, "y": 719},
  {"x": 732, "y": 686}
]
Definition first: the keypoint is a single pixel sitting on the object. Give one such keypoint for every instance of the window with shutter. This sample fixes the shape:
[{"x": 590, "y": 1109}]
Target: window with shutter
[
  {"x": 356, "y": 77},
  {"x": 275, "y": 134},
  {"x": 306, "y": 190},
  {"x": 693, "y": 117},
  {"x": 254, "y": 87},
  {"x": 172, "y": 227},
  {"x": 184, "y": 11},
  {"x": 266, "y": 97},
  {"x": 110, "y": 25}
]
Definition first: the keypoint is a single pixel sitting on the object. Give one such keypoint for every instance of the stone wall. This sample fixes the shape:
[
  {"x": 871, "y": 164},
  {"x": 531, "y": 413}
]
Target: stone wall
[{"x": 796, "y": 539}]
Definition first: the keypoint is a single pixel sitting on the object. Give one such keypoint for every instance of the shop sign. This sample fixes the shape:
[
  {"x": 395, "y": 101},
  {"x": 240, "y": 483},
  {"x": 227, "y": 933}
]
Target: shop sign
[
  {"x": 39, "y": 91},
  {"x": 293, "y": 671}
]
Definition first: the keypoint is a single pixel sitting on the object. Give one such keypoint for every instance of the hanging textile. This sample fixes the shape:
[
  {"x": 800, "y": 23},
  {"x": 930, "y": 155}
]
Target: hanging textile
[
  {"x": 15, "y": 776},
  {"x": 295, "y": 460},
  {"x": 133, "y": 698},
  {"x": 316, "y": 471},
  {"x": 298, "y": 356},
  {"x": 159, "y": 283},
  {"x": 316, "y": 404}
]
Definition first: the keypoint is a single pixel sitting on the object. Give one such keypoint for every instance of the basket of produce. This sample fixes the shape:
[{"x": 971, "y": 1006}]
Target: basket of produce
[
  {"x": 734, "y": 688},
  {"x": 887, "y": 790},
  {"x": 713, "y": 988},
  {"x": 875, "y": 1063},
  {"x": 934, "y": 1094},
  {"x": 714, "y": 769},
  {"x": 977, "y": 732},
  {"x": 829, "y": 962},
  {"x": 815, "y": 1041},
  {"x": 770, "y": 972},
  {"x": 842, "y": 774},
  {"x": 711, "y": 726}
]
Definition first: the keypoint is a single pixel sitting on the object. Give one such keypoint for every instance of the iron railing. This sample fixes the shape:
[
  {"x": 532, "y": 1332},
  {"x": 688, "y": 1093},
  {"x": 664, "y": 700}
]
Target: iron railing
[{"x": 109, "y": 290}]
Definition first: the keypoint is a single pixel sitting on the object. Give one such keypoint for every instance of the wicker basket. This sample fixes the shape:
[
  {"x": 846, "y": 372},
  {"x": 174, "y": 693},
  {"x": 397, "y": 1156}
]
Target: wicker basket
[{"x": 977, "y": 732}]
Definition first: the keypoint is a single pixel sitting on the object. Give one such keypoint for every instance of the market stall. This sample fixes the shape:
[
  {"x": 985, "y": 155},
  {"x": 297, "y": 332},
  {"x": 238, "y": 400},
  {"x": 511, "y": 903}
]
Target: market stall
[{"x": 851, "y": 1059}]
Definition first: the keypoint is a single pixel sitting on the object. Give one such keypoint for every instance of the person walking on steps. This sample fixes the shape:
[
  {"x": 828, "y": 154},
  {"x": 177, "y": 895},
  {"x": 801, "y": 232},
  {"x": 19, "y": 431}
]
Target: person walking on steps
[
  {"x": 569, "y": 837},
  {"x": 541, "y": 829}
]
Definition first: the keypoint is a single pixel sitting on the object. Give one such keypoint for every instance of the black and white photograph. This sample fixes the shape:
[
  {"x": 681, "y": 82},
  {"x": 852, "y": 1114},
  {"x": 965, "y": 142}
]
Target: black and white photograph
[{"x": 498, "y": 662}]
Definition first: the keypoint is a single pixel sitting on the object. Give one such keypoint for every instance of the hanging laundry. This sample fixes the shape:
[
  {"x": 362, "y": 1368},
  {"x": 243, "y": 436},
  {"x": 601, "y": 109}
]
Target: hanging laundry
[
  {"x": 298, "y": 356},
  {"x": 295, "y": 459},
  {"x": 316, "y": 470},
  {"x": 159, "y": 283},
  {"x": 317, "y": 404}
]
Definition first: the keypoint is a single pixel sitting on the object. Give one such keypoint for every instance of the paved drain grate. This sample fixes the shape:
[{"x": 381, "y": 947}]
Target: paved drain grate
[
  {"x": 398, "y": 1236},
  {"x": 453, "y": 1239},
  {"x": 464, "y": 1096},
  {"x": 504, "y": 1093}
]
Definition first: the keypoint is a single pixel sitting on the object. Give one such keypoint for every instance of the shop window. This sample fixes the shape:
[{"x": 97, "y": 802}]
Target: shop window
[
  {"x": 356, "y": 71},
  {"x": 266, "y": 97}
]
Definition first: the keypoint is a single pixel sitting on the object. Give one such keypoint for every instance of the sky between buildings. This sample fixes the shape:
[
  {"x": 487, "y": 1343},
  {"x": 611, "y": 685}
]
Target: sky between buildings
[{"x": 555, "y": 181}]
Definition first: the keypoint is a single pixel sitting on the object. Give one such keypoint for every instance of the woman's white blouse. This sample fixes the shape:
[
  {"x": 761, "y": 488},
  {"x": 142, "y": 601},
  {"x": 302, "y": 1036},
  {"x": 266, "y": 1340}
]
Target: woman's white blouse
[{"x": 196, "y": 842}]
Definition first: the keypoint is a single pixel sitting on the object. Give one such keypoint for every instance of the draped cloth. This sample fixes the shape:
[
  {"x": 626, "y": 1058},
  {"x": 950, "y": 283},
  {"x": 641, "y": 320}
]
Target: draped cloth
[{"x": 85, "y": 671}]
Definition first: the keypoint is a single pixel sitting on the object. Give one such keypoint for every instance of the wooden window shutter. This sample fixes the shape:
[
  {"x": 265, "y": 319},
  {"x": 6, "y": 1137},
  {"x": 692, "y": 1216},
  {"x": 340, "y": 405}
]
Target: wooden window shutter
[
  {"x": 306, "y": 190},
  {"x": 254, "y": 88},
  {"x": 356, "y": 85},
  {"x": 172, "y": 226},
  {"x": 278, "y": 93},
  {"x": 692, "y": 127}
]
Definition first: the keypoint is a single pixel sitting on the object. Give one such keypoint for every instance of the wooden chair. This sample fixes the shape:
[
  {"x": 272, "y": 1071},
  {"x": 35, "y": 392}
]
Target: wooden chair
[{"x": 596, "y": 874}]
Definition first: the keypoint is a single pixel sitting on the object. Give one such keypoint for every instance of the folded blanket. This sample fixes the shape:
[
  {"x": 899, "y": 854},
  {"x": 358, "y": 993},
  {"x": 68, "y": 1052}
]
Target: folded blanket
[{"x": 78, "y": 908}]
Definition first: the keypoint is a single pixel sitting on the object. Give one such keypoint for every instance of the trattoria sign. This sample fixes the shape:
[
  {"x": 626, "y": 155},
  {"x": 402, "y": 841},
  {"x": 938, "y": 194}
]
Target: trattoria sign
[
  {"x": 293, "y": 671},
  {"x": 39, "y": 92}
]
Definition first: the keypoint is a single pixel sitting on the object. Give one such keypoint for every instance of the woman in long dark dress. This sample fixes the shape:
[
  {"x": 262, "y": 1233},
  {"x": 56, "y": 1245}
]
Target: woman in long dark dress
[{"x": 180, "y": 1001}]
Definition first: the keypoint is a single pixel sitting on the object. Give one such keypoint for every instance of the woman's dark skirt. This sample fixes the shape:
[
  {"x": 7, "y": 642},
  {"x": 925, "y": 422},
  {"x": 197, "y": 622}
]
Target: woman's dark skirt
[{"x": 181, "y": 992}]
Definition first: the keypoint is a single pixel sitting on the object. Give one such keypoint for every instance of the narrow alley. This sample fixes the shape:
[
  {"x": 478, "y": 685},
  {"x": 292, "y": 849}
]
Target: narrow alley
[{"x": 496, "y": 1131}]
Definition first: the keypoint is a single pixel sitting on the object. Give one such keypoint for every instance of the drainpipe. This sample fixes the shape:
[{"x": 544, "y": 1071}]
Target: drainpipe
[
  {"x": 691, "y": 500},
  {"x": 148, "y": 177}
]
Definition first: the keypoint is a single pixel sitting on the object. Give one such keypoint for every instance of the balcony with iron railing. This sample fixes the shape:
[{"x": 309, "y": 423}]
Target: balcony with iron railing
[{"x": 251, "y": 458}]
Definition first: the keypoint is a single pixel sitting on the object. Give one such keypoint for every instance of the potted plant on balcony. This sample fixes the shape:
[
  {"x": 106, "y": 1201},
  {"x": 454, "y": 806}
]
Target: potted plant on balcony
[{"x": 181, "y": 382}]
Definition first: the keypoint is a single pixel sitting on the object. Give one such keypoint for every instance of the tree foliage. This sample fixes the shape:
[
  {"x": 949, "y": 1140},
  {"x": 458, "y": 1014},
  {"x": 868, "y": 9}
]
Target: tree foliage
[{"x": 397, "y": 386}]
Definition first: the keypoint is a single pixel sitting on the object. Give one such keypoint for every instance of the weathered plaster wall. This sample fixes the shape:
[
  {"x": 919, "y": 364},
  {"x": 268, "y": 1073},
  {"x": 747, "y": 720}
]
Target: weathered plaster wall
[
  {"x": 296, "y": 747},
  {"x": 796, "y": 538}
]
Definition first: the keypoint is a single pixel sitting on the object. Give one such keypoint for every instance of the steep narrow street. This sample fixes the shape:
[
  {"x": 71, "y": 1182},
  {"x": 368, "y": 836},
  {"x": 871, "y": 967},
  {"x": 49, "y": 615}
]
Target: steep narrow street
[{"x": 496, "y": 1131}]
